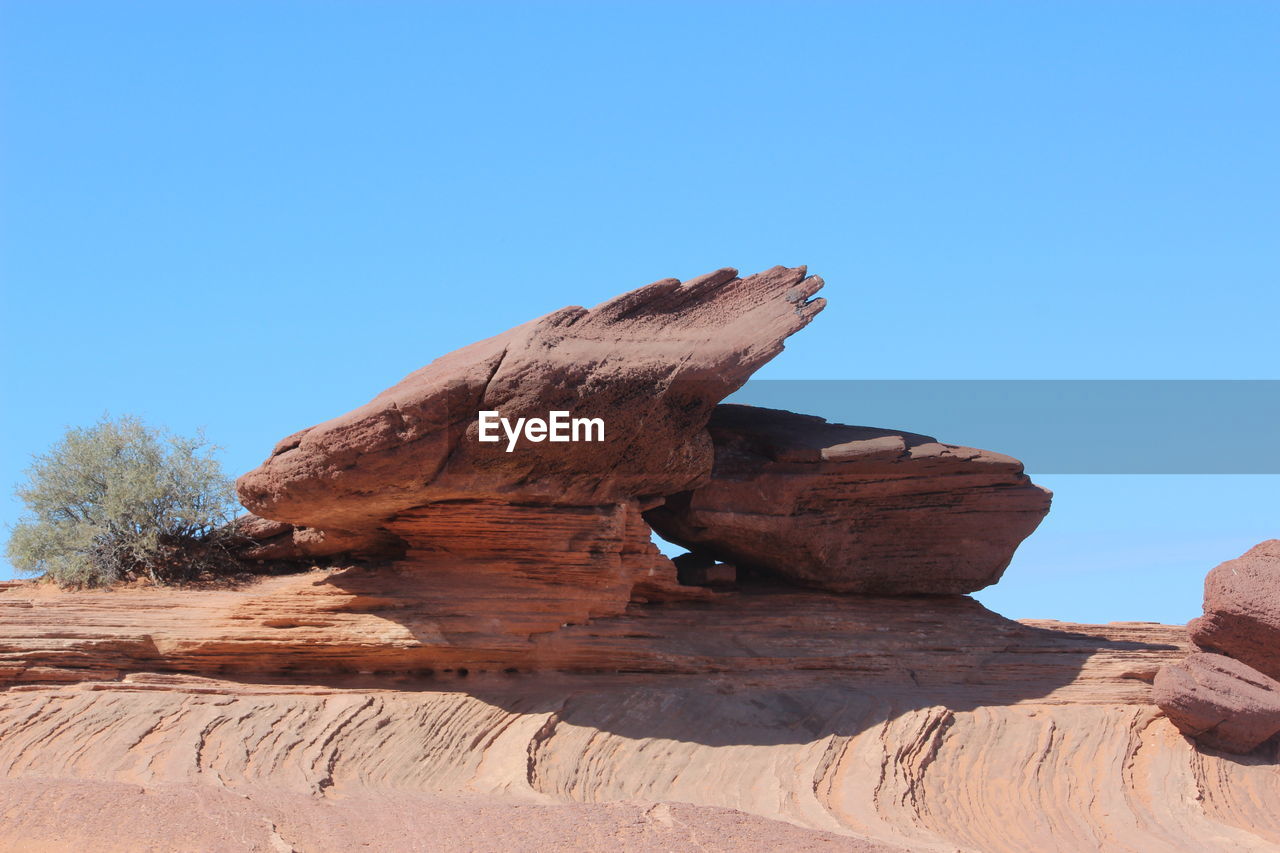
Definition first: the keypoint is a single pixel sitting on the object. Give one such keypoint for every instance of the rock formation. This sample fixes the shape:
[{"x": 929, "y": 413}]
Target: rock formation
[
  {"x": 1220, "y": 702},
  {"x": 1242, "y": 609},
  {"x": 493, "y": 640},
  {"x": 336, "y": 625},
  {"x": 1231, "y": 701},
  {"x": 897, "y": 723},
  {"x": 853, "y": 509},
  {"x": 840, "y": 508},
  {"x": 651, "y": 363},
  {"x": 555, "y": 529}
]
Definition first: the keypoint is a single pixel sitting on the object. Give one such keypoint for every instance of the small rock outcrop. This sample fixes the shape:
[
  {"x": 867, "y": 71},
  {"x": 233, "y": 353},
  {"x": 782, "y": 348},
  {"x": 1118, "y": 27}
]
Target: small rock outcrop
[
  {"x": 1242, "y": 609},
  {"x": 1221, "y": 702},
  {"x": 853, "y": 509},
  {"x": 1228, "y": 698}
]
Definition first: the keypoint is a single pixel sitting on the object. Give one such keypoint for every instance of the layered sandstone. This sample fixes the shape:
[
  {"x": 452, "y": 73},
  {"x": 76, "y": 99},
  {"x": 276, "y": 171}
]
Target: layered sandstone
[
  {"x": 261, "y": 540},
  {"x": 352, "y": 622},
  {"x": 540, "y": 535},
  {"x": 920, "y": 724},
  {"x": 853, "y": 509},
  {"x": 110, "y": 816}
]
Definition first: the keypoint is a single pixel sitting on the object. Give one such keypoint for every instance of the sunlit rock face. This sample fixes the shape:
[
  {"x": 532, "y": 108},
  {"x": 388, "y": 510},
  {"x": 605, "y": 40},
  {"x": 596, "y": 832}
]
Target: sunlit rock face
[
  {"x": 1220, "y": 702},
  {"x": 1230, "y": 699},
  {"x": 1242, "y": 609}
]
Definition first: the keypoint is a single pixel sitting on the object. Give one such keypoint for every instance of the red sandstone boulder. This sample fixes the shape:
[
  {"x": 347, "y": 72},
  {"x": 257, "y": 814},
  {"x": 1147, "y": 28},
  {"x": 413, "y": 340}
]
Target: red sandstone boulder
[
  {"x": 1220, "y": 702},
  {"x": 853, "y": 509},
  {"x": 1242, "y": 609},
  {"x": 651, "y": 363}
]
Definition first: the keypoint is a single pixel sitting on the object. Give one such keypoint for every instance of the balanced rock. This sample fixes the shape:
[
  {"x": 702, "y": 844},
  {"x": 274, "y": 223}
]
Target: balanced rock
[
  {"x": 1222, "y": 703},
  {"x": 1242, "y": 609},
  {"x": 530, "y": 533},
  {"x": 853, "y": 509}
]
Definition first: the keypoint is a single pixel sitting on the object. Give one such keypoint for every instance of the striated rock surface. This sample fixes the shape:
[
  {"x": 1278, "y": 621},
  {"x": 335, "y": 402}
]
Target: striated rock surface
[
  {"x": 1222, "y": 703},
  {"x": 264, "y": 816},
  {"x": 344, "y": 623},
  {"x": 278, "y": 541},
  {"x": 919, "y": 724},
  {"x": 510, "y": 541},
  {"x": 1242, "y": 609},
  {"x": 853, "y": 509}
]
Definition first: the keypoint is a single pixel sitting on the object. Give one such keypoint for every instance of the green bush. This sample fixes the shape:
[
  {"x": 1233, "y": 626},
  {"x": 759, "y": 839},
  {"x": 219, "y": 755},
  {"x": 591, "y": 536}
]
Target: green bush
[{"x": 120, "y": 500}]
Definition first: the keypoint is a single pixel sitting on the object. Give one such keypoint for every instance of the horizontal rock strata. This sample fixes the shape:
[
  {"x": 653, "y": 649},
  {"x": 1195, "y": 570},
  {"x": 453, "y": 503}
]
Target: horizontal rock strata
[{"x": 332, "y": 623}]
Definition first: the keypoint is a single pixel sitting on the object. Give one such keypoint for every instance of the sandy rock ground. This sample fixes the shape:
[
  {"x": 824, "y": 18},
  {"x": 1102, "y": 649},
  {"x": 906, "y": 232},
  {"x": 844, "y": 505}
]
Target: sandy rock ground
[
  {"x": 146, "y": 719},
  {"x": 119, "y": 817},
  {"x": 585, "y": 763}
]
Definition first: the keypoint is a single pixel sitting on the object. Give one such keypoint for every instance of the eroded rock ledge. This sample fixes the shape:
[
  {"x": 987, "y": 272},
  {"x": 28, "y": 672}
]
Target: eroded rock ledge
[{"x": 339, "y": 623}]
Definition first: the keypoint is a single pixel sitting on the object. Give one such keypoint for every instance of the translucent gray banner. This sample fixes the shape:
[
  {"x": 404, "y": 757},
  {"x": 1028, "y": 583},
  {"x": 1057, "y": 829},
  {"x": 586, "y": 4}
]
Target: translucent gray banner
[{"x": 1062, "y": 426}]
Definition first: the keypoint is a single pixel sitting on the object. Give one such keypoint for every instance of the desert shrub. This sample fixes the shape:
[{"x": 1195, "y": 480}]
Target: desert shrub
[{"x": 119, "y": 500}]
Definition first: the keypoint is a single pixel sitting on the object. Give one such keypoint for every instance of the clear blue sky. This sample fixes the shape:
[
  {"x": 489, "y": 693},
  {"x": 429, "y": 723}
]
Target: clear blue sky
[{"x": 254, "y": 216}]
